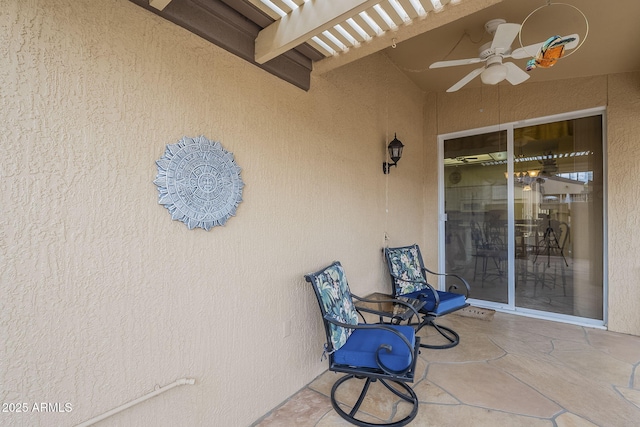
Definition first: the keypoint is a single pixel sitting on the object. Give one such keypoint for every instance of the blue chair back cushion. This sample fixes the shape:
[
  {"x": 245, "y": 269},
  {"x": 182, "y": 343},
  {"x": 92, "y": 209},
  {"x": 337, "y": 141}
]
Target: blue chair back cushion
[
  {"x": 405, "y": 264},
  {"x": 449, "y": 301},
  {"x": 333, "y": 291},
  {"x": 363, "y": 344}
]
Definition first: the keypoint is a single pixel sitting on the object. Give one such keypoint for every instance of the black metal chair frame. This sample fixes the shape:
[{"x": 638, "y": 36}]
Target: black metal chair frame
[
  {"x": 429, "y": 317},
  {"x": 383, "y": 375}
]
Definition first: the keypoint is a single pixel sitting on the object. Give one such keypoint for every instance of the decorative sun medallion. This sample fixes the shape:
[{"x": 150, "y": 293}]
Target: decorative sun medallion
[
  {"x": 455, "y": 177},
  {"x": 199, "y": 182}
]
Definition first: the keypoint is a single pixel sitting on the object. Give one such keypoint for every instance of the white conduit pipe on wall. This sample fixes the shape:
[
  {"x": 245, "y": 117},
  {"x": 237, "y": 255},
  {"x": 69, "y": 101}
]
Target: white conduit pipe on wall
[{"x": 121, "y": 408}]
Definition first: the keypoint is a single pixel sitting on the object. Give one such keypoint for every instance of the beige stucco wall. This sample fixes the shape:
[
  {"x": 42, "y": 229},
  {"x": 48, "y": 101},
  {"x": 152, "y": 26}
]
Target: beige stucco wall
[
  {"x": 103, "y": 295},
  {"x": 623, "y": 147},
  {"x": 620, "y": 94}
]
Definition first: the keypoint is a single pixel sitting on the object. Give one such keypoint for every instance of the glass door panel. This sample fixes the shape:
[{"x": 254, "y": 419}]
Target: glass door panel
[
  {"x": 558, "y": 209},
  {"x": 532, "y": 240},
  {"x": 475, "y": 199}
]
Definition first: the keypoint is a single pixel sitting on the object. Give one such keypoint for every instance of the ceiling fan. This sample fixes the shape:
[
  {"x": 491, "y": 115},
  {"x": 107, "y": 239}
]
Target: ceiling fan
[
  {"x": 465, "y": 159},
  {"x": 494, "y": 70}
]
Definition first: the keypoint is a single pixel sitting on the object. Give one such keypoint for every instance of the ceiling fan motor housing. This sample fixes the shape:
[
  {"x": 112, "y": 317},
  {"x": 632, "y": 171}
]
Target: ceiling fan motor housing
[
  {"x": 495, "y": 72},
  {"x": 486, "y": 51},
  {"x": 491, "y": 26}
]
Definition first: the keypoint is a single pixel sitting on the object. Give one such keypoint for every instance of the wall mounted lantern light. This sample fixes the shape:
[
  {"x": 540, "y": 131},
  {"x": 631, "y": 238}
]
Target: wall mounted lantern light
[{"x": 395, "y": 153}]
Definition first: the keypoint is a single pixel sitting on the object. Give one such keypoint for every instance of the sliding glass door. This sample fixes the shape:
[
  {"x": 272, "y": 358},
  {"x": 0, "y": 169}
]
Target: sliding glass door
[
  {"x": 524, "y": 215},
  {"x": 476, "y": 208}
]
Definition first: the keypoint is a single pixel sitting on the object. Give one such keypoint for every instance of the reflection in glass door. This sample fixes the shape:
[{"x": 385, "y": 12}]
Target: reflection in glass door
[
  {"x": 476, "y": 207},
  {"x": 524, "y": 216},
  {"x": 558, "y": 178}
]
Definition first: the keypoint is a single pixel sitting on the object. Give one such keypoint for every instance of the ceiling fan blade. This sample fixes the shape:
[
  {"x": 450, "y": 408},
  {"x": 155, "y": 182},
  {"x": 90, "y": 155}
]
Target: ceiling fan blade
[
  {"x": 531, "y": 50},
  {"x": 466, "y": 79},
  {"x": 515, "y": 75},
  {"x": 527, "y": 51},
  {"x": 455, "y": 62},
  {"x": 505, "y": 35}
]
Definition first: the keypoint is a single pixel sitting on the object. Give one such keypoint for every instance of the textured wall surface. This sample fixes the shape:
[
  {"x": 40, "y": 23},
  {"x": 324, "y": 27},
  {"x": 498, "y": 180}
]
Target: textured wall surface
[
  {"x": 620, "y": 94},
  {"x": 623, "y": 127},
  {"x": 103, "y": 295}
]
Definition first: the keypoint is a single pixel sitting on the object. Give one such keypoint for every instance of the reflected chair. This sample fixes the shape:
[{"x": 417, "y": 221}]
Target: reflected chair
[
  {"x": 551, "y": 247},
  {"x": 489, "y": 248},
  {"x": 409, "y": 279},
  {"x": 366, "y": 353}
]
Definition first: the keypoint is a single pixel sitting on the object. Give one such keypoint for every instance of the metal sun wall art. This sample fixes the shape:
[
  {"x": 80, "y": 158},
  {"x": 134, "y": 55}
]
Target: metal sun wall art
[{"x": 199, "y": 182}]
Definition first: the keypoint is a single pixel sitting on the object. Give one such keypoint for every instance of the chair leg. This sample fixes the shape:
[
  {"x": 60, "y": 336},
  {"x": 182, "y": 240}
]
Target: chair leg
[
  {"x": 409, "y": 395},
  {"x": 451, "y": 335}
]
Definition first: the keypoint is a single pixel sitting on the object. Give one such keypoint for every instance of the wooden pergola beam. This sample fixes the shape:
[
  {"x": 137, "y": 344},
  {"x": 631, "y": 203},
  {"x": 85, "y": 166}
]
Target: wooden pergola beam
[
  {"x": 300, "y": 25},
  {"x": 159, "y": 4}
]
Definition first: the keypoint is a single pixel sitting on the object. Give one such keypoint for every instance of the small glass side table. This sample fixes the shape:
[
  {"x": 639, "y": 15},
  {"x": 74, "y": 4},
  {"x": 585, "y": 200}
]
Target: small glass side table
[{"x": 384, "y": 306}]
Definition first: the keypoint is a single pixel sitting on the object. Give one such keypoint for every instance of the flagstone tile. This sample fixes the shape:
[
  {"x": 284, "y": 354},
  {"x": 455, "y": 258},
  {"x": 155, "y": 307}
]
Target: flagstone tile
[
  {"x": 472, "y": 347},
  {"x": 483, "y": 385},
  {"x": 428, "y": 392},
  {"x": 563, "y": 345},
  {"x": 323, "y": 383},
  {"x": 597, "y": 365},
  {"x": 303, "y": 409},
  {"x": 463, "y": 415},
  {"x": 537, "y": 348},
  {"x": 558, "y": 331},
  {"x": 631, "y": 395},
  {"x": 421, "y": 369},
  {"x": 621, "y": 346},
  {"x": 332, "y": 419},
  {"x": 576, "y": 391},
  {"x": 572, "y": 420}
]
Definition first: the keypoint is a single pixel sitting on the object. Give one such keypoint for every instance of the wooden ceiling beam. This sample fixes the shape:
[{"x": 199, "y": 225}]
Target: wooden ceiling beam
[
  {"x": 159, "y": 4},
  {"x": 310, "y": 19},
  {"x": 220, "y": 23},
  {"x": 419, "y": 26}
]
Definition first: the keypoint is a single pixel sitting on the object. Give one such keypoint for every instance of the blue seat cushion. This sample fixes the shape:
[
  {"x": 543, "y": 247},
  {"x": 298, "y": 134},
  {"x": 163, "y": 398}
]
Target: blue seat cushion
[
  {"x": 449, "y": 301},
  {"x": 361, "y": 347}
]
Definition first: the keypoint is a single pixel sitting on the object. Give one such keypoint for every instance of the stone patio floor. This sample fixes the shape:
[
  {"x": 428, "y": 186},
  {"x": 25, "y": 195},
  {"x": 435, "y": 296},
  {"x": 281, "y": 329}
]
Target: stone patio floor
[{"x": 508, "y": 371}]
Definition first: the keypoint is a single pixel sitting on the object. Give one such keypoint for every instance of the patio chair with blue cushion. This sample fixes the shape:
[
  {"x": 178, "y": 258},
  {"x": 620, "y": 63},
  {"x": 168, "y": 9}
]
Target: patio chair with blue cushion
[
  {"x": 409, "y": 279},
  {"x": 366, "y": 353}
]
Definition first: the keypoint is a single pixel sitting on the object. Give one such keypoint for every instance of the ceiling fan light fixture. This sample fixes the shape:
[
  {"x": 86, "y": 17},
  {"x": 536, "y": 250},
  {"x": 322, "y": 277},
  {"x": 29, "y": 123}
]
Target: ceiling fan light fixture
[{"x": 494, "y": 74}]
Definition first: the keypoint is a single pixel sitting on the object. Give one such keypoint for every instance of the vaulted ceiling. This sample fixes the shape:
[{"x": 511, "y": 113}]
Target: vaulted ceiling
[{"x": 293, "y": 38}]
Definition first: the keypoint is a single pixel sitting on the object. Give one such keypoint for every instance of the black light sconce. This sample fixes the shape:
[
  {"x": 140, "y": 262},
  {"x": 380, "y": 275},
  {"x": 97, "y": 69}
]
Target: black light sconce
[{"x": 395, "y": 153}]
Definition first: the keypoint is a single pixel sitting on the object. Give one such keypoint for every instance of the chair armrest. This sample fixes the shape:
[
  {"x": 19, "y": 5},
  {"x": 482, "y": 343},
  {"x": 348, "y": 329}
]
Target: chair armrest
[
  {"x": 386, "y": 347},
  {"x": 436, "y": 297},
  {"x": 467, "y": 288},
  {"x": 393, "y": 300}
]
